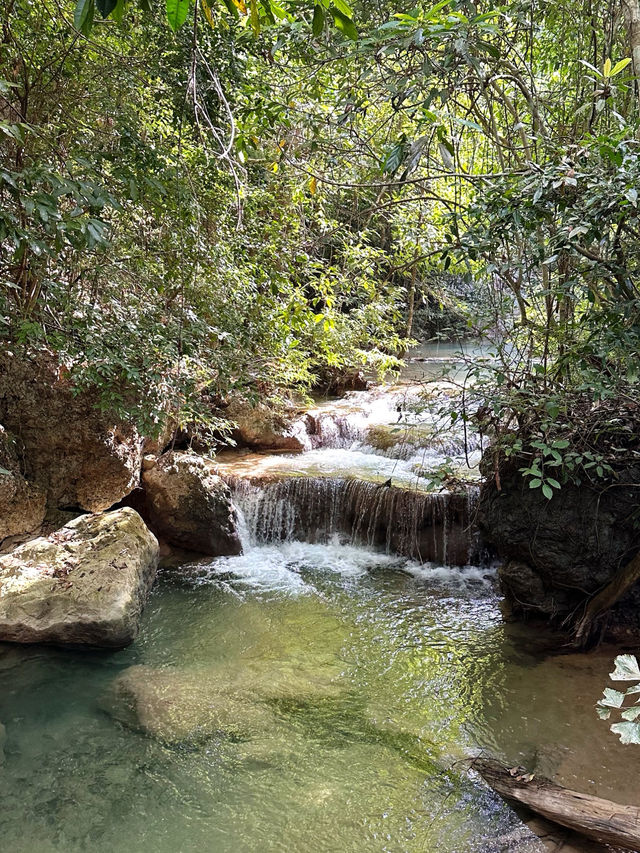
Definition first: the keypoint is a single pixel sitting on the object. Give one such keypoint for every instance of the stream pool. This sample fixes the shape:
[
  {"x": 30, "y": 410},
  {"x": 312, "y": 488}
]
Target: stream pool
[{"x": 358, "y": 682}]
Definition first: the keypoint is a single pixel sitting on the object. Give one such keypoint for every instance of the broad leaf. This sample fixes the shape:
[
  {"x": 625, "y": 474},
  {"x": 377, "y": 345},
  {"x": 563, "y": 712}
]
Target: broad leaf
[
  {"x": 630, "y": 713},
  {"x": 627, "y": 669},
  {"x": 83, "y": 16},
  {"x": 106, "y": 7},
  {"x": 619, "y": 66},
  {"x": 628, "y": 732},
  {"x": 343, "y": 7},
  {"x": 177, "y": 11},
  {"x": 344, "y": 24},
  {"x": 318, "y": 19},
  {"x": 612, "y": 698}
]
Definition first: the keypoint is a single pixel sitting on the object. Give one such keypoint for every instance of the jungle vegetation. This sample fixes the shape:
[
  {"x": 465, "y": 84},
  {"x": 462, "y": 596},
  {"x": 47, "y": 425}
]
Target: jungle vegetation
[{"x": 204, "y": 197}]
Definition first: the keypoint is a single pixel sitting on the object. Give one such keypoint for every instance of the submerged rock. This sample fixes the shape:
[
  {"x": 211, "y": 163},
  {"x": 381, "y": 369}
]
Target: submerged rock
[
  {"x": 85, "y": 584},
  {"x": 22, "y": 503},
  {"x": 189, "y": 506},
  {"x": 175, "y": 705},
  {"x": 78, "y": 455}
]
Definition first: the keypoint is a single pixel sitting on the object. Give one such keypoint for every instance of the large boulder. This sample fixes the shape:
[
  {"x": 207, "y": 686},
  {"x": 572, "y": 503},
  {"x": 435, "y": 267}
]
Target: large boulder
[
  {"x": 557, "y": 553},
  {"x": 22, "y": 503},
  {"x": 175, "y": 705},
  {"x": 262, "y": 428},
  {"x": 84, "y": 584},
  {"x": 189, "y": 506},
  {"x": 80, "y": 456}
]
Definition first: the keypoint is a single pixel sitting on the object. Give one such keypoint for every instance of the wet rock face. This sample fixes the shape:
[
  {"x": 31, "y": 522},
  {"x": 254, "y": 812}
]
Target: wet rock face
[
  {"x": 556, "y": 553},
  {"x": 22, "y": 503},
  {"x": 80, "y": 457},
  {"x": 85, "y": 584},
  {"x": 188, "y": 506}
]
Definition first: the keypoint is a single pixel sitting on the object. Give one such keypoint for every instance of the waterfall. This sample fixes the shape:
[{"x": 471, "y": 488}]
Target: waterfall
[{"x": 422, "y": 526}]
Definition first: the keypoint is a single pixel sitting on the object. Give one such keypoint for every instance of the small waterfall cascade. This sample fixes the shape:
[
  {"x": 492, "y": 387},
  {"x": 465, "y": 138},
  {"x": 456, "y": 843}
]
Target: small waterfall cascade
[
  {"x": 395, "y": 423},
  {"x": 422, "y": 526}
]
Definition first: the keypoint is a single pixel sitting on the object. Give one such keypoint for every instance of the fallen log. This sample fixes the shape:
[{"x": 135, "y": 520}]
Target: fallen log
[{"x": 593, "y": 817}]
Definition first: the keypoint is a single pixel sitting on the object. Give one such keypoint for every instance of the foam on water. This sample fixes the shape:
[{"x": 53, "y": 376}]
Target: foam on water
[
  {"x": 478, "y": 578},
  {"x": 277, "y": 567}
]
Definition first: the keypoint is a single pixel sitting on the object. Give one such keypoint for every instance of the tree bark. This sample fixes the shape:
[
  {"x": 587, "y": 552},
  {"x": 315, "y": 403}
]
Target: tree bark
[
  {"x": 593, "y": 817},
  {"x": 631, "y": 11}
]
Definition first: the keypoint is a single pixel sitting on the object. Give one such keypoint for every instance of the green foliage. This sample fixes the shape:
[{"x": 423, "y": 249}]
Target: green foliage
[
  {"x": 257, "y": 13},
  {"x": 628, "y": 728}
]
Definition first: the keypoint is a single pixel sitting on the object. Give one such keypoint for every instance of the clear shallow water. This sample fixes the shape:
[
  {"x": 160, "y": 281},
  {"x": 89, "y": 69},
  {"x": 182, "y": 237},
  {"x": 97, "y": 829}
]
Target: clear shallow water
[{"x": 372, "y": 677}]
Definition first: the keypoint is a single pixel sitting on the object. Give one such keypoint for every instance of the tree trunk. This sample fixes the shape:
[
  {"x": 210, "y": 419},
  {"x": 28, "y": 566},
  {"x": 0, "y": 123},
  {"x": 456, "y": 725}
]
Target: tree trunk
[
  {"x": 631, "y": 10},
  {"x": 603, "y": 820}
]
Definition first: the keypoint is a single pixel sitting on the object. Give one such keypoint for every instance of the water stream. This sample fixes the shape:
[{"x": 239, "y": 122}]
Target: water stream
[{"x": 305, "y": 696}]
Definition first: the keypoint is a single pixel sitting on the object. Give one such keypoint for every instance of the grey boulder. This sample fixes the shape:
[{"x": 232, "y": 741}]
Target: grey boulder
[{"x": 84, "y": 584}]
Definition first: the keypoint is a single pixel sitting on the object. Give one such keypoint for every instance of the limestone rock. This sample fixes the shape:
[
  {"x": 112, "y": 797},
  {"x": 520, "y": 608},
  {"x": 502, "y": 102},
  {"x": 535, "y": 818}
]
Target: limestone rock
[
  {"x": 189, "y": 506},
  {"x": 175, "y": 705},
  {"x": 85, "y": 584},
  {"x": 558, "y": 552},
  {"x": 22, "y": 503},
  {"x": 78, "y": 455},
  {"x": 262, "y": 428}
]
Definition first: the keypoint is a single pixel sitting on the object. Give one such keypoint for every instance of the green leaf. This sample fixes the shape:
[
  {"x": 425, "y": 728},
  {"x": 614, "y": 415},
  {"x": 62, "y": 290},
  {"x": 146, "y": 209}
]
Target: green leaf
[
  {"x": 254, "y": 17},
  {"x": 554, "y": 483},
  {"x": 83, "y": 16},
  {"x": 629, "y": 732},
  {"x": 343, "y": 7},
  {"x": 344, "y": 24},
  {"x": 627, "y": 669},
  {"x": 118, "y": 12},
  {"x": 177, "y": 11},
  {"x": 547, "y": 491},
  {"x": 318, "y": 19},
  {"x": 106, "y": 7},
  {"x": 4, "y": 471},
  {"x": 395, "y": 158},
  {"x": 535, "y": 484},
  {"x": 619, "y": 66}
]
